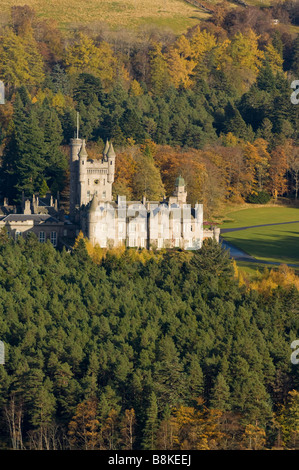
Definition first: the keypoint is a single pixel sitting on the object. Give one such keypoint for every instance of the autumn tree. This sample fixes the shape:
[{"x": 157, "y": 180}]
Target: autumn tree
[
  {"x": 196, "y": 428},
  {"x": 277, "y": 172},
  {"x": 203, "y": 45},
  {"x": 293, "y": 161},
  {"x": 84, "y": 426},
  {"x": 246, "y": 58},
  {"x": 288, "y": 418},
  {"x": 254, "y": 437},
  {"x": 181, "y": 63},
  {"x": 127, "y": 425},
  {"x": 159, "y": 75},
  {"x": 84, "y": 56},
  {"x": 20, "y": 60}
]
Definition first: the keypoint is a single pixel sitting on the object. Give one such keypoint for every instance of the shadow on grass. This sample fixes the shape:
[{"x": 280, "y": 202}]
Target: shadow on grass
[{"x": 280, "y": 249}]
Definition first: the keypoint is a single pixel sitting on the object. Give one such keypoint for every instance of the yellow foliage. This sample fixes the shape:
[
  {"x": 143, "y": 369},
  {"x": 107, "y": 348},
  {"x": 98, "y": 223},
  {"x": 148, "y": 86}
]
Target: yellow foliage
[
  {"x": 85, "y": 56},
  {"x": 135, "y": 88},
  {"x": 196, "y": 429},
  {"x": 254, "y": 437},
  {"x": 201, "y": 43},
  {"x": 58, "y": 101},
  {"x": 284, "y": 276},
  {"x": 181, "y": 63},
  {"x": 274, "y": 59},
  {"x": 245, "y": 52}
]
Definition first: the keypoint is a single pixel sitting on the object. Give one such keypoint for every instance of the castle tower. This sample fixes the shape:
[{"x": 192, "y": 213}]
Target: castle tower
[
  {"x": 92, "y": 220},
  {"x": 75, "y": 146},
  {"x": 89, "y": 177},
  {"x": 111, "y": 163},
  {"x": 83, "y": 179}
]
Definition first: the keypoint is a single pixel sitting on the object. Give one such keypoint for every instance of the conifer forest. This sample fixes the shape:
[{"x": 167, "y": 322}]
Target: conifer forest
[{"x": 134, "y": 349}]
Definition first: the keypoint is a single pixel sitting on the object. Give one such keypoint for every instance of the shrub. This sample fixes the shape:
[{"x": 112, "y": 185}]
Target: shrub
[{"x": 261, "y": 197}]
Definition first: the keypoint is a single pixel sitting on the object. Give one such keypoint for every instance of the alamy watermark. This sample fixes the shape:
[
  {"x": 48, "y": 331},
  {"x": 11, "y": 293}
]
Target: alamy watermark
[
  {"x": 295, "y": 86},
  {"x": 2, "y": 353},
  {"x": 295, "y": 354},
  {"x": 2, "y": 93}
]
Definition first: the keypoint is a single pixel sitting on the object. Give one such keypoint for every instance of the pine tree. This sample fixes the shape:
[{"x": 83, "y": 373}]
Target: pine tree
[
  {"x": 24, "y": 156},
  {"x": 220, "y": 394},
  {"x": 147, "y": 179},
  {"x": 151, "y": 425}
]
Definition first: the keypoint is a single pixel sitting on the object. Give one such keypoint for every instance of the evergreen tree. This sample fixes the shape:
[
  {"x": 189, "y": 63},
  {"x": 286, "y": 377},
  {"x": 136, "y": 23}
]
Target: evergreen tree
[
  {"x": 220, "y": 394},
  {"x": 151, "y": 425},
  {"x": 23, "y": 162}
]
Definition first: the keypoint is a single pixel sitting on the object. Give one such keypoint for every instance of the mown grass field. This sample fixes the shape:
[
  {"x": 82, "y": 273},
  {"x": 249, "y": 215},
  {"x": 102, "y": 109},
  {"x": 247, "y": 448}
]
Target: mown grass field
[
  {"x": 275, "y": 243},
  {"x": 174, "y": 14},
  {"x": 260, "y": 215}
]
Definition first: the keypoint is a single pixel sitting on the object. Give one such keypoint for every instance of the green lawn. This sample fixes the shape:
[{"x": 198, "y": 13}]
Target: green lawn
[
  {"x": 260, "y": 215},
  {"x": 275, "y": 243}
]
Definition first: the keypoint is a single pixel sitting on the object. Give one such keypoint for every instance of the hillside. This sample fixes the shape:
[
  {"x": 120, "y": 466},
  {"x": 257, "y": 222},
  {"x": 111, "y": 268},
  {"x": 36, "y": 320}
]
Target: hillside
[{"x": 175, "y": 14}]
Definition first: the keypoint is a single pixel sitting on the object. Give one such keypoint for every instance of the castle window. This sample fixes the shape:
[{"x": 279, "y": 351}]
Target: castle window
[
  {"x": 18, "y": 234},
  {"x": 54, "y": 238},
  {"x": 104, "y": 194},
  {"x": 111, "y": 162},
  {"x": 42, "y": 237},
  {"x": 177, "y": 242},
  {"x": 132, "y": 242}
]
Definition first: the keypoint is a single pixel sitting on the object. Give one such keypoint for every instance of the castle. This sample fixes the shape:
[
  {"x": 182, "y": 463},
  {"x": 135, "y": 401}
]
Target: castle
[{"x": 171, "y": 223}]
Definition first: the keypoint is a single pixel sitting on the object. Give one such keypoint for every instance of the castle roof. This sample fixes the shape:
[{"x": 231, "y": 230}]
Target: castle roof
[
  {"x": 83, "y": 152},
  {"x": 37, "y": 218},
  {"x": 111, "y": 152},
  {"x": 106, "y": 148},
  {"x": 94, "y": 204}
]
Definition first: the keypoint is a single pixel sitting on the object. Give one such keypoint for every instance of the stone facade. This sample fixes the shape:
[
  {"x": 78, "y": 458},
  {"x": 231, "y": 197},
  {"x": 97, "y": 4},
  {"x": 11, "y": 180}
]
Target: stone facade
[
  {"x": 143, "y": 224},
  {"x": 146, "y": 224},
  {"x": 41, "y": 216}
]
